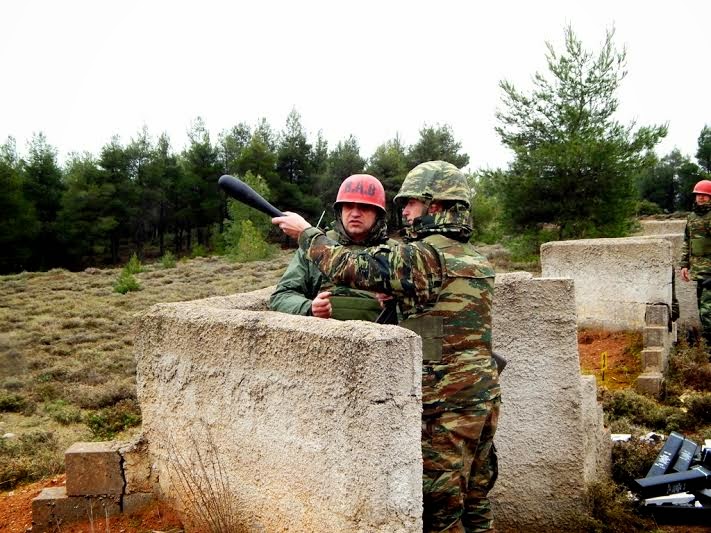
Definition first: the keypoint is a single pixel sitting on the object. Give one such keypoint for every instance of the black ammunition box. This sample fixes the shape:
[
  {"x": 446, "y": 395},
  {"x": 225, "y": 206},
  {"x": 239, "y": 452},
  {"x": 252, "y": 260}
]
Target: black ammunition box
[
  {"x": 685, "y": 456},
  {"x": 665, "y": 458},
  {"x": 696, "y": 478}
]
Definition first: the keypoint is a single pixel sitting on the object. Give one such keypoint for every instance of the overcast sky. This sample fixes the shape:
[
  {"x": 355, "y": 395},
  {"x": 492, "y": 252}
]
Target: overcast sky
[{"x": 82, "y": 71}]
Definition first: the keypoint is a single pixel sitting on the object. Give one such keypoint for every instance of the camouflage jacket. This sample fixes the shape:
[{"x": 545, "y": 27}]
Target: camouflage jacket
[
  {"x": 696, "y": 252},
  {"x": 437, "y": 277},
  {"x": 302, "y": 281}
]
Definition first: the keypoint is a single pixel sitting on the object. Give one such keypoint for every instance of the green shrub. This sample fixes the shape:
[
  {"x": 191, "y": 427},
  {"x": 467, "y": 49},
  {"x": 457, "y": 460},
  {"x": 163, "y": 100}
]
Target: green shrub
[
  {"x": 698, "y": 407},
  {"x": 218, "y": 245},
  {"x": 644, "y": 411},
  {"x": 611, "y": 510},
  {"x": 486, "y": 213},
  {"x": 199, "y": 251},
  {"x": 60, "y": 411},
  {"x": 632, "y": 459},
  {"x": 126, "y": 282},
  {"x": 30, "y": 457},
  {"x": 168, "y": 260},
  {"x": 134, "y": 265},
  {"x": 106, "y": 423},
  {"x": 12, "y": 403},
  {"x": 645, "y": 208},
  {"x": 689, "y": 368},
  {"x": 251, "y": 245}
]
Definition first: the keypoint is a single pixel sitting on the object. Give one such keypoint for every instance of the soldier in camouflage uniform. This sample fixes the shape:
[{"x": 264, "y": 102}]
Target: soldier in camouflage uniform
[
  {"x": 696, "y": 253},
  {"x": 444, "y": 290},
  {"x": 360, "y": 222}
]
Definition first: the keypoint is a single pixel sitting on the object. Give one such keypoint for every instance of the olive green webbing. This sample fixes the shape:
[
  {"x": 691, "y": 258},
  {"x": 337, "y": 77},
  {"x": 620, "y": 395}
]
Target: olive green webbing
[
  {"x": 701, "y": 246},
  {"x": 354, "y": 308},
  {"x": 431, "y": 329}
]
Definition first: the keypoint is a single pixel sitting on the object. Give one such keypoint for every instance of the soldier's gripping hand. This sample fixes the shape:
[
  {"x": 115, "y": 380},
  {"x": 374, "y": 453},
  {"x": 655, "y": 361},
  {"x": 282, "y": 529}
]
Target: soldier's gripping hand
[
  {"x": 684, "y": 274},
  {"x": 321, "y": 305},
  {"x": 291, "y": 224}
]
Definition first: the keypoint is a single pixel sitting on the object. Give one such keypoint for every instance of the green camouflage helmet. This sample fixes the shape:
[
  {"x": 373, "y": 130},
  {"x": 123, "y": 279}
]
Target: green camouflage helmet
[{"x": 435, "y": 180}]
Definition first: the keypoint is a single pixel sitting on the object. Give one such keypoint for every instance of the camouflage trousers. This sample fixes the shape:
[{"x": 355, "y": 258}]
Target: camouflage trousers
[
  {"x": 703, "y": 297},
  {"x": 459, "y": 468}
]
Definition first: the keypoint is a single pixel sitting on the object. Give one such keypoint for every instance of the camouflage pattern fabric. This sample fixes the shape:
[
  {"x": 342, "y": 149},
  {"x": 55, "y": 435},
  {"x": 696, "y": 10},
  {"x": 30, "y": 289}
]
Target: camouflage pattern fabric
[
  {"x": 302, "y": 281},
  {"x": 435, "y": 180},
  {"x": 703, "y": 297},
  {"x": 696, "y": 256},
  {"x": 696, "y": 251},
  {"x": 442, "y": 277}
]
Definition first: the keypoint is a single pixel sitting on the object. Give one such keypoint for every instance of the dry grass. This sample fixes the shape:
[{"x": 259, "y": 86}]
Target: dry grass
[{"x": 66, "y": 346}]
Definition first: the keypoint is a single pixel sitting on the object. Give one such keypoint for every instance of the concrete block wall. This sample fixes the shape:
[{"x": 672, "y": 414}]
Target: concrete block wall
[
  {"x": 663, "y": 227},
  {"x": 551, "y": 439},
  {"x": 103, "y": 479},
  {"x": 673, "y": 231},
  {"x": 615, "y": 279},
  {"x": 317, "y": 422}
]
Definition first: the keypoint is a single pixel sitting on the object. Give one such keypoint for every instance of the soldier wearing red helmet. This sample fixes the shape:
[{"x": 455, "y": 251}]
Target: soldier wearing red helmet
[
  {"x": 360, "y": 222},
  {"x": 696, "y": 254}
]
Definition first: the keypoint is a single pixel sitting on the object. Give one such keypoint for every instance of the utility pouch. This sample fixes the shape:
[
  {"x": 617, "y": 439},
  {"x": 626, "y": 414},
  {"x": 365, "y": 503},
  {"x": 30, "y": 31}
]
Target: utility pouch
[
  {"x": 354, "y": 308},
  {"x": 431, "y": 329},
  {"x": 700, "y": 246}
]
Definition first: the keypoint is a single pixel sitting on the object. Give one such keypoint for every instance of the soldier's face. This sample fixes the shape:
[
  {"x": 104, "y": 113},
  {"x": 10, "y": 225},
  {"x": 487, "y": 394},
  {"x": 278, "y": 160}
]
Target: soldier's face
[
  {"x": 358, "y": 219},
  {"x": 413, "y": 208},
  {"x": 702, "y": 199}
]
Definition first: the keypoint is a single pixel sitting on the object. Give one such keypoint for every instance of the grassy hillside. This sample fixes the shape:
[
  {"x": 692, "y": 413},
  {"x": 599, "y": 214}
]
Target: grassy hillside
[{"x": 66, "y": 366}]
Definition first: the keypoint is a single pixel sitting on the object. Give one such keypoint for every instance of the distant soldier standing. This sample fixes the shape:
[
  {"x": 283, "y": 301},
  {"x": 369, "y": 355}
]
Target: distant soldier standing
[
  {"x": 696, "y": 253},
  {"x": 444, "y": 290}
]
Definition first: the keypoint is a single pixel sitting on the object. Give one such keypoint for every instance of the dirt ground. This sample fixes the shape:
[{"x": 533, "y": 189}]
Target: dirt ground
[
  {"x": 16, "y": 514},
  {"x": 612, "y": 357}
]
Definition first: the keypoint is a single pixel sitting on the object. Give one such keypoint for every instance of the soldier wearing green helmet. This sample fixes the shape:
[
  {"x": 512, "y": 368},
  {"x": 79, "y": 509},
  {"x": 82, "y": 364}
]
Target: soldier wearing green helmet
[{"x": 444, "y": 291}]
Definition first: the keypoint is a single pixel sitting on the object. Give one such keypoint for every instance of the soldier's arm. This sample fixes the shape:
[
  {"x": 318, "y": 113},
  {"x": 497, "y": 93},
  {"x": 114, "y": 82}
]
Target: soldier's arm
[
  {"x": 297, "y": 287},
  {"x": 411, "y": 270}
]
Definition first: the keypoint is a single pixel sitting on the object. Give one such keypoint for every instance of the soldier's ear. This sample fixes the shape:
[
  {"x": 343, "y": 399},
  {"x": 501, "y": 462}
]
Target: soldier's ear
[{"x": 435, "y": 207}]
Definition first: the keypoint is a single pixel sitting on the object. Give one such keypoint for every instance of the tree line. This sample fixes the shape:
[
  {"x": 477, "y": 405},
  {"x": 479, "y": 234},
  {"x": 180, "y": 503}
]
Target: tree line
[
  {"x": 576, "y": 172},
  {"x": 146, "y": 194}
]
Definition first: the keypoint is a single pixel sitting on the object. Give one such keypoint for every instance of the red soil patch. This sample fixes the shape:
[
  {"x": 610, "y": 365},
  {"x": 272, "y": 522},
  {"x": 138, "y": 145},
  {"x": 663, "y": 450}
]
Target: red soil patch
[
  {"x": 614, "y": 358},
  {"x": 16, "y": 514}
]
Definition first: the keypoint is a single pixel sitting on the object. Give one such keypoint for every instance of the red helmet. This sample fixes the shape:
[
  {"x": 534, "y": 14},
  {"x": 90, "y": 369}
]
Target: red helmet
[
  {"x": 703, "y": 187},
  {"x": 363, "y": 189}
]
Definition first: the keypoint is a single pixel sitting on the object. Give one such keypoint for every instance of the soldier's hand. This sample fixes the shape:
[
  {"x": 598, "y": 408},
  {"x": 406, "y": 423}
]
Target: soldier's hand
[
  {"x": 684, "y": 274},
  {"x": 382, "y": 298},
  {"x": 321, "y": 305},
  {"x": 291, "y": 224}
]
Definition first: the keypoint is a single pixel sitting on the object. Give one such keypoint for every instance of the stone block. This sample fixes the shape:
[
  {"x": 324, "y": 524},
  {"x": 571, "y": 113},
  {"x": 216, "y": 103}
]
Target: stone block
[
  {"x": 655, "y": 336},
  {"x": 650, "y": 383},
  {"x": 652, "y": 359},
  {"x": 93, "y": 469},
  {"x": 136, "y": 502},
  {"x": 657, "y": 315},
  {"x": 615, "y": 279},
  {"x": 137, "y": 467},
  {"x": 53, "y": 509}
]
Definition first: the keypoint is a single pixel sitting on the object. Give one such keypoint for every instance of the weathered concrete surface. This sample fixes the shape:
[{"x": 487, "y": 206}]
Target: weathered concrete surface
[
  {"x": 673, "y": 231},
  {"x": 551, "y": 439},
  {"x": 292, "y": 423},
  {"x": 315, "y": 423},
  {"x": 52, "y": 510},
  {"x": 661, "y": 227},
  {"x": 95, "y": 469},
  {"x": 615, "y": 279}
]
